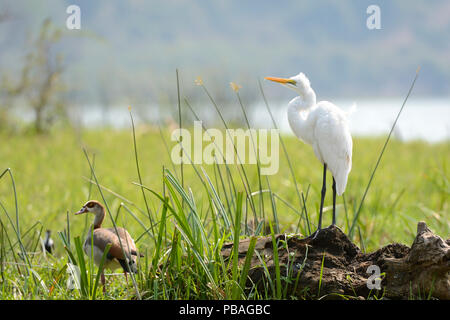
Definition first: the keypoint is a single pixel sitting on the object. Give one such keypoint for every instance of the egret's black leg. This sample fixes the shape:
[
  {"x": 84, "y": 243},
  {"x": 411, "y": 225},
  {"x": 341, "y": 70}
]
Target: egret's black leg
[
  {"x": 322, "y": 199},
  {"x": 334, "y": 202}
]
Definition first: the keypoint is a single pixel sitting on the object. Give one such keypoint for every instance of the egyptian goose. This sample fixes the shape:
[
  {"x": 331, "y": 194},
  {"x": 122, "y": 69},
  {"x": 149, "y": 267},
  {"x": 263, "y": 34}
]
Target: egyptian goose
[{"x": 102, "y": 236}]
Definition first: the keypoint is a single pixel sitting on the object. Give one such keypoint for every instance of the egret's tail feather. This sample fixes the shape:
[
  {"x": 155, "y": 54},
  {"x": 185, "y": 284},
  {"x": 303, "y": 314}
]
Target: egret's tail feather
[
  {"x": 352, "y": 109},
  {"x": 341, "y": 183}
]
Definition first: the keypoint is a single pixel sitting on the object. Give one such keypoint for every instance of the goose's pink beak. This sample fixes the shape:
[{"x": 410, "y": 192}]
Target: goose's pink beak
[{"x": 82, "y": 210}]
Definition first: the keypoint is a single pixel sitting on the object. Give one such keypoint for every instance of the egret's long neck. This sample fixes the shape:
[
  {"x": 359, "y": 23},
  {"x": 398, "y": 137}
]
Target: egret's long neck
[
  {"x": 299, "y": 115},
  {"x": 99, "y": 219}
]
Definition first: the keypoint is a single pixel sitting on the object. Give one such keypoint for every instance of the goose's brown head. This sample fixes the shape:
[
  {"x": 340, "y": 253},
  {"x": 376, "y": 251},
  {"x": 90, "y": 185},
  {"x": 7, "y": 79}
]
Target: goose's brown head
[{"x": 92, "y": 206}]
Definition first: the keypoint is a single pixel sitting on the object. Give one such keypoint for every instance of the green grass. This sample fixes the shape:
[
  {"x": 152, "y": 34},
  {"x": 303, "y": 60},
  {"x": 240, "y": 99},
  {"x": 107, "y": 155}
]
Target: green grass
[
  {"x": 181, "y": 218},
  {"x": 411, "y": 184}
]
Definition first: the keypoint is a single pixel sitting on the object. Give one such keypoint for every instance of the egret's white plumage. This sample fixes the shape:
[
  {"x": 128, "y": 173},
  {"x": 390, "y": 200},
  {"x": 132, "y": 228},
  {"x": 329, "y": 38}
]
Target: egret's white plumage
[{"x": 322, "y": 125}]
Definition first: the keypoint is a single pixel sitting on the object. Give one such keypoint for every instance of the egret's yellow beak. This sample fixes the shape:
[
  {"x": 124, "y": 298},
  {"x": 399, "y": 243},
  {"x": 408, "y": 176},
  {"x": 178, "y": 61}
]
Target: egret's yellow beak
[{"x": 281, "y": 80}]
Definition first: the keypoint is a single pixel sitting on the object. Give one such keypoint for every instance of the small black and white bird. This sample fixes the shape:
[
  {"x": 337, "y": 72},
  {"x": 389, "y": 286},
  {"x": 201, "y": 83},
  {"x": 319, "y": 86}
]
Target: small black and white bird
[{"x": 48, "y": 242}]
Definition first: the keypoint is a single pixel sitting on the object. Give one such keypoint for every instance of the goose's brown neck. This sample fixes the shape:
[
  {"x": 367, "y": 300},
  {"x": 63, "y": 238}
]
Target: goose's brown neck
[{"x": 99, "y": 219}]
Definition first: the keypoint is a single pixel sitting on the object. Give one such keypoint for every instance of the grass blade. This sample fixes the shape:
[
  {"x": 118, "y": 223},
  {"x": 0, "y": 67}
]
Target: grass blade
[
  {"x": 355, "y": 219},
  {"x": 247, "y": 263}
]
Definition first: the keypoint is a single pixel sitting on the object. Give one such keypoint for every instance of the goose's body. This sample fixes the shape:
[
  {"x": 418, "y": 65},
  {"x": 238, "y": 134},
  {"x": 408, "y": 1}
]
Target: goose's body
[
  {"x": 115, "y": 258},
  {"x": 122, "y": 252}
]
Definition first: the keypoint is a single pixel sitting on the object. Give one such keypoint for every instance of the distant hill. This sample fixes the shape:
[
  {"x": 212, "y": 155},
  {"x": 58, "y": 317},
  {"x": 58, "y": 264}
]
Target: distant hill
[{"x": 131, "y": 48}]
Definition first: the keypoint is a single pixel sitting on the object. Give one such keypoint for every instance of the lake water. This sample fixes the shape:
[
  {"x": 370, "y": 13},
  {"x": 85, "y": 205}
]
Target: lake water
[{"x": 425, "y": 119}]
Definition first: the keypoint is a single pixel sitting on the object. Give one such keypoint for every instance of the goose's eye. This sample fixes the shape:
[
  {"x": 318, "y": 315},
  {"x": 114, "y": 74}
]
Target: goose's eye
[{"x": 90, "y": 205}]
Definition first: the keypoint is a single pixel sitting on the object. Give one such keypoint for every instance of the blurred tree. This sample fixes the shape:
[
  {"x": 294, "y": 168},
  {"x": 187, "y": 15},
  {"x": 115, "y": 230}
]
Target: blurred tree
[
  {"x": 9, "y": 92},
  {"x": 45, "y": 87},
  {"x": 40, "y": 83},
  {"x": 6, "y": 89}
]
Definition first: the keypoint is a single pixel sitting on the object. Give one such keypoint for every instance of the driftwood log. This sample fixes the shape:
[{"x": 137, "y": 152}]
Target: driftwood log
[{"x": 422, "y": 271}]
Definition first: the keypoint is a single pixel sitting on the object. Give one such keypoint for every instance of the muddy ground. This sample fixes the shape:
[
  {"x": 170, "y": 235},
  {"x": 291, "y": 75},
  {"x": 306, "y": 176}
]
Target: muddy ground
[{"x": 420, "y": 271}]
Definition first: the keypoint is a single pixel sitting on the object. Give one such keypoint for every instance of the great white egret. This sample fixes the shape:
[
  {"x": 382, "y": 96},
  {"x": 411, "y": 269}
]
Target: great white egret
[{"x": 324, "y": 126}]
